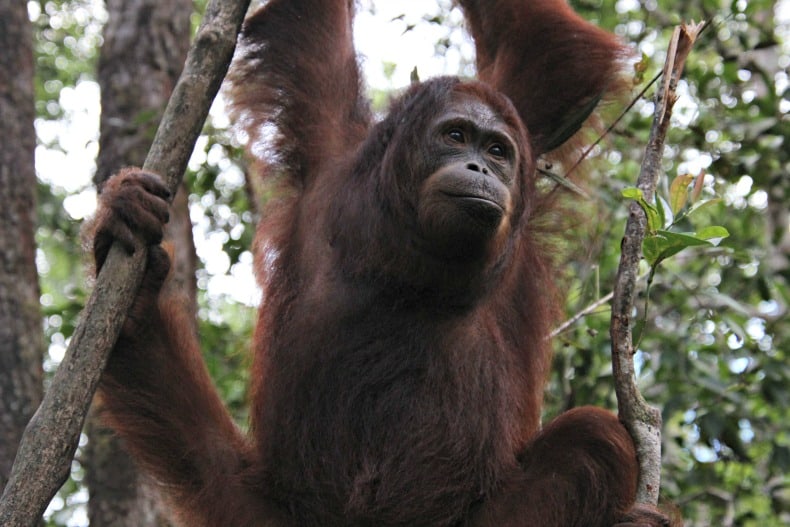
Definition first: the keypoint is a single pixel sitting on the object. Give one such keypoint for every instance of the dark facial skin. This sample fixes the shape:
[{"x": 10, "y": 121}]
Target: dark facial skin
[{"x": 466, "y": 203}]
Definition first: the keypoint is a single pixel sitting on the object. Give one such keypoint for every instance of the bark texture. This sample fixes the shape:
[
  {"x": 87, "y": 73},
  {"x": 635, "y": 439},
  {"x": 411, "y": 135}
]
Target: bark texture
[
  {"x": 21, "y": 342},
  {"x": 643, "y": 421}
]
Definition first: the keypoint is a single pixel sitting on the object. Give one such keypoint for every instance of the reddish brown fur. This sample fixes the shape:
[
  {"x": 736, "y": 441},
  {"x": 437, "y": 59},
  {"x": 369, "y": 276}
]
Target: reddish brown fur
[{"x": 392, "y": 386}]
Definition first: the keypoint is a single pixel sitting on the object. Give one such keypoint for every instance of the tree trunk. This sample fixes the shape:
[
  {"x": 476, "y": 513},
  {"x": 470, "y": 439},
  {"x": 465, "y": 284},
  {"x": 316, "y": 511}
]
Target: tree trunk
[
  {"x": 145, "y": 44},
  {"x": 21, "y": 340}
]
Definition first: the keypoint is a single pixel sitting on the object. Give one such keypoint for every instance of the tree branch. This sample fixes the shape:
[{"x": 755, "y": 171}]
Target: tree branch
[
  {"x": 44, "y": 456},
  {"x": 643, "y": 421}
]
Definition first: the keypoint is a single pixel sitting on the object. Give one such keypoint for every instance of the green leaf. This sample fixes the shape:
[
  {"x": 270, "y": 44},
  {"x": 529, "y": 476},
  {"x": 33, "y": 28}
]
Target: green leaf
[
  {"x": 713, "y": 234},
  {"x": 655, "y": 217},
  {"x": 632, "y": 193},
  {"x": 678, "y": 192},
  {"x": 665, "y": 244},
  {"x": 702, "y": 204},
  {"x": 640, "y": 68}
]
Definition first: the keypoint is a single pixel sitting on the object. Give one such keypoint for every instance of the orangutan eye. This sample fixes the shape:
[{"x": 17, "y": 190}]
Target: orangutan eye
[
  {"x": 497, "y": 150},
  {"x": 456, "y": 135}
]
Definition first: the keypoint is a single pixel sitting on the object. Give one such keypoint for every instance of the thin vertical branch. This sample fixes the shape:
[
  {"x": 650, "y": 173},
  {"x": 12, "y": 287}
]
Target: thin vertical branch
[
  {"x": 642, "y": 420},
  {"x": 44, "y": 457}
]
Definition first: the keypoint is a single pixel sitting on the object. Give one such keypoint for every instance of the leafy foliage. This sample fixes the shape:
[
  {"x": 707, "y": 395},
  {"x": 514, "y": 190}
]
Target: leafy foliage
[
  {"x": 660, "y": 241},
  {"x": 710, "y": 354}
]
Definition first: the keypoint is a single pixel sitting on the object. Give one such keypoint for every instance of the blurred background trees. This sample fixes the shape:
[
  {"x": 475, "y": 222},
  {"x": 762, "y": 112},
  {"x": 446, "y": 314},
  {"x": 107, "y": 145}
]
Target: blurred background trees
[
  {"x": 21, "y": 342},
  {"x": 713, "y": 334}
]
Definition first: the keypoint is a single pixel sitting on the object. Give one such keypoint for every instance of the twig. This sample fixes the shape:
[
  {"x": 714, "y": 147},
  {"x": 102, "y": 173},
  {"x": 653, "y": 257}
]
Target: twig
[
  {"x": 44, "y": 457},
  {"x": 642, "y": 420},
  {"x": 581, "y": 314},
  {"x": 590, "y": 308}
]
